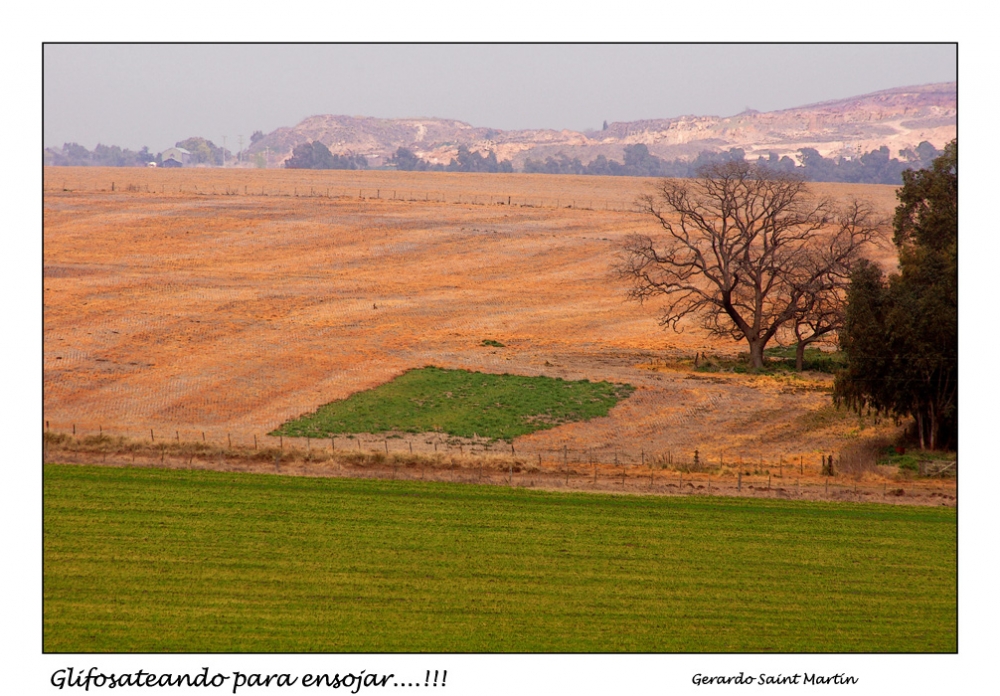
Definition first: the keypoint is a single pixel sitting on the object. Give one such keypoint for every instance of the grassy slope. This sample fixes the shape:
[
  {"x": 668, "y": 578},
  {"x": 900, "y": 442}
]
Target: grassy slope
[
  {"x": 158, "y": 560},
  {"x": 463, "y": 403}
]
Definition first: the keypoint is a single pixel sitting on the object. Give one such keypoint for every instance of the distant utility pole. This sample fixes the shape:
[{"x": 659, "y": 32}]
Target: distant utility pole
[
  {"x": 267, "y": 157},
  {"x": 239, "y": 153},
  {"x": 223, "y": 151}
]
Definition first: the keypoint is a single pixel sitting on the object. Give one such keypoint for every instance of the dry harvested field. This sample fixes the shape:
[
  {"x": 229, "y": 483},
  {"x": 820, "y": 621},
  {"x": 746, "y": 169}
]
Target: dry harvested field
[{"x": 225, "y": 302}]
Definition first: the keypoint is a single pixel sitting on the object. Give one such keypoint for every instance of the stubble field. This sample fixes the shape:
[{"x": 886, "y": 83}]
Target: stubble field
[{"x": 222, "y": 303}]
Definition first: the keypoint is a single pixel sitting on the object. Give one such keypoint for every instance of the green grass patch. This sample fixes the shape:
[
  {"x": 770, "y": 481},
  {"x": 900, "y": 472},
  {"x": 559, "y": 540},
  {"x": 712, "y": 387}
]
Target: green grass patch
[
  {"x": 461, "y": 403},
  {"x": 777, "y": 360},
  {"x": 909, "y": 460},
  {"x": 813, "y": 360},
  {"x": 491, "y": 342},
  {"x": 152, "y": 560}
]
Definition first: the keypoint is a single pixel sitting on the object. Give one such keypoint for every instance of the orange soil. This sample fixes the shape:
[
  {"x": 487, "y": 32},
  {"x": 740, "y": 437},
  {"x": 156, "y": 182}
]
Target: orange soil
[{"x": 188, "y": 311}]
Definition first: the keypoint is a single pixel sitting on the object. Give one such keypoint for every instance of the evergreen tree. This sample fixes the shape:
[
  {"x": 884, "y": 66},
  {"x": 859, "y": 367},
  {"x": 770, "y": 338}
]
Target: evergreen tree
[
  {"x": 901, "y": 335},
  {"x": 405, "y": 160},
  {"x": 316, "y": 155}
]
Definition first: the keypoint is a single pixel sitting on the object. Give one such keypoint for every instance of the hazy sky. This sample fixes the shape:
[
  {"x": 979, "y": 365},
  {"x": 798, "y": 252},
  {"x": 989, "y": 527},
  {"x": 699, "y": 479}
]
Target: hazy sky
[{"x": 156, "y": 95}]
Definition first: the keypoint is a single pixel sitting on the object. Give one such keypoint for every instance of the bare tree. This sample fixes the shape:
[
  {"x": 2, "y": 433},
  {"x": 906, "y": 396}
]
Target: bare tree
[
  {"x": 823, "y": 278},
  {"x": 743, "y": 247}
]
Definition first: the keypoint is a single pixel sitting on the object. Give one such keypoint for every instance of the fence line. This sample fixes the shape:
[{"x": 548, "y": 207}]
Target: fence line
[
  {"x": 362, "y": 194},
  {"x": 630, "y": 466},
  {"x": 440, "y": 443},
  {"x": 629, "y": 480}
]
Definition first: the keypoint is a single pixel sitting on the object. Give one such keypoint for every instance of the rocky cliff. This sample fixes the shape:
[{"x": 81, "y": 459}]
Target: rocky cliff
[{"x": 898, "y": 118}]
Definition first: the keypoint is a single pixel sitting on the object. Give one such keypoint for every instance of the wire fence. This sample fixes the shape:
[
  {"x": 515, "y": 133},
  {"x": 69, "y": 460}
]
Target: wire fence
[
  {"x": 608, "y": 454},
  {"x": 343, "y": 194},
  {"x": 444, "y": 458}
]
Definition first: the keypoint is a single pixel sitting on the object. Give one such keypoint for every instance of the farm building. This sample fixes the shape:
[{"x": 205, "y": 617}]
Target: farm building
[{"x": 175, "y": 157}]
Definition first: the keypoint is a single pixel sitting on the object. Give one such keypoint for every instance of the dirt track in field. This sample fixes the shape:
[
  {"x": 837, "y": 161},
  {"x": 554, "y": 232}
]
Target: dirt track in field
[{"x": 226, "y": 302}]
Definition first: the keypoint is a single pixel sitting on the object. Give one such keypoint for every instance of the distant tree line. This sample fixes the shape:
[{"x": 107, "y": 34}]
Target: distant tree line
[
  {"x": 875, "y": 167},
  {"x": 316, "y": 155},
  {"x": 638, "y": 161},
  {"x": 464, "y": 161},
  {"x": 76, "y": 155}
]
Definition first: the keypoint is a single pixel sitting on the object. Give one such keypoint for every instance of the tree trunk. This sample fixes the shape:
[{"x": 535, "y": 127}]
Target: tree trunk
[
  {"x": 757, "y": 354},
  {"x": 800, "y": 356},
  {"x": 920, "y": 428},
  {"x": 933, "y": 435}
]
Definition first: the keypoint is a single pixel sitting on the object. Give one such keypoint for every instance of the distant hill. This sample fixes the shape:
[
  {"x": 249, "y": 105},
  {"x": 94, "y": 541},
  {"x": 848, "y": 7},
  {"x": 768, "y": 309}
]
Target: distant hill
[{"x": 898, "y": 118}]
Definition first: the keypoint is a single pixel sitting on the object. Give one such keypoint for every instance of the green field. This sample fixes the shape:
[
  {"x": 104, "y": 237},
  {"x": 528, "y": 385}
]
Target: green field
[
  {"x": 153, "y": 560},
  {"x": 461, "y": 403}
]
